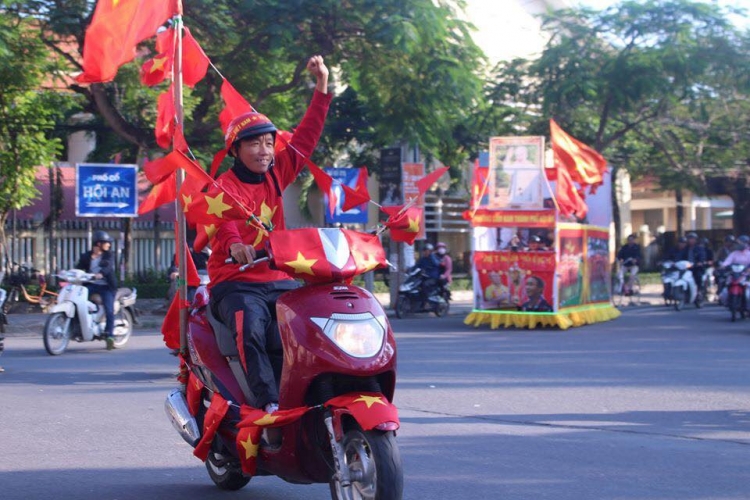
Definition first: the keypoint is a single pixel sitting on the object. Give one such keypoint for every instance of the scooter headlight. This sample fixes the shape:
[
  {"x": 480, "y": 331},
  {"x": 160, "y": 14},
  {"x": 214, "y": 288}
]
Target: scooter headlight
[{"x": 359, "y": 335}]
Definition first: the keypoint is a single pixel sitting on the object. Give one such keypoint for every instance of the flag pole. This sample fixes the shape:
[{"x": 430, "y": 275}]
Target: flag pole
[{"x": 181, "y": 225}]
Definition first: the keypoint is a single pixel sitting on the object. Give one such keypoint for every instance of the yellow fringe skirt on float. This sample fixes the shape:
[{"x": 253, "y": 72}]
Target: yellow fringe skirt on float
[{"x": 579, "y": 316}]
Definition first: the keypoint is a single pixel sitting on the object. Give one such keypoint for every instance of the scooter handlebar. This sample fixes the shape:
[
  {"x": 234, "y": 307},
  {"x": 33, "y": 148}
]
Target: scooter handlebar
[{"x": 260, "y": 256}]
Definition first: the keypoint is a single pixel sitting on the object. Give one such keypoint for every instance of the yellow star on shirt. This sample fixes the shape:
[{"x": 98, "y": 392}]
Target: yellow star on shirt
[
  {"x": 267, "y": 419},
  {"x": 158, "y": 65},
  {"x": 216, "y": 205},
  {"x": 370, "y": 400},
  {"x": 210, "y": 230},
  {"x": 413, "y": 225},
  {"x": 302, "y": 265},
  {"x": 251, "y": 449},
  {"x": 186, "y": 201}
]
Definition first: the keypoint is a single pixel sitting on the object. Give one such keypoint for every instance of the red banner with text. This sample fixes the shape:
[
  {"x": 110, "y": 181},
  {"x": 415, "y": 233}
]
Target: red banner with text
[
  {"x": 511, "y": 218},
  {"x": 515, "y": 280}
]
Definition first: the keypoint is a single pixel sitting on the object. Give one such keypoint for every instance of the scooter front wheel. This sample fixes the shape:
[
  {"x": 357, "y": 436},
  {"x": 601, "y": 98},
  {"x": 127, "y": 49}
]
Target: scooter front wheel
[
  {"x": 56, "y": 333},
  {"x": 374, "y": 460},
  {"x": 679, "y": 298}
]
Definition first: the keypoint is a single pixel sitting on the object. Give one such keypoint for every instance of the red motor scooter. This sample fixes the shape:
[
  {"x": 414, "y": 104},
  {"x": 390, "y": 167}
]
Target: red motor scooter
[{"x": 336, "y": 341}]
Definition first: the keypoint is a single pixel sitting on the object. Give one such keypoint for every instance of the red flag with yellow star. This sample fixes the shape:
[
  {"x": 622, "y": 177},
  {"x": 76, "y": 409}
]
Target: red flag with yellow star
[
  {"x": 300, "y": 253},
  {"x": 254, "y": 417},
  {"x": 165, "y": 118},
  {"x": 584, "y": 164},
  {"x": 194, "y": 390},
  {"x": 115, "y": 30},
  {"x": 212, "y": 420},
  {"x": 248, "y": 442},
  {"x": 404, "y": 224},
  {"x": 159, "y": 67},
  {"x": 366, "y": 249},
  {"x": 359, "y": 195},
  {"x": 425, "y": 182},
  {"x": 165, "y": 191},
  {"x": 369, "y": 409}
]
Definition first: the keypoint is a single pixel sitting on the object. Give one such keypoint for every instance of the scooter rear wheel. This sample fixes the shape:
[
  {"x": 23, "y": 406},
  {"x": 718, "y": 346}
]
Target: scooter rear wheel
[
  {"x": 224, "y": 476},
  {"x": 123, "y": 327},
  {"x": 376, "y": 456},
  {"x": 56, "y": 333},
  {"x": 679, "y": 298}
]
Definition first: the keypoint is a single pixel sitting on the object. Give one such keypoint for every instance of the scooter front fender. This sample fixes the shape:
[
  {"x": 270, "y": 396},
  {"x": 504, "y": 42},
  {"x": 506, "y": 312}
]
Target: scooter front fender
[
  {"x": 384, "y": 419},
  {"x": 68, "y": 308}
]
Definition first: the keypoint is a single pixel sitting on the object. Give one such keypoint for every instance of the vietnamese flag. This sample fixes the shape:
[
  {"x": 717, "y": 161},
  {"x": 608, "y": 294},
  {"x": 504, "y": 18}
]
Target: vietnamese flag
[
  {"x": 116, "y": 28},
  {"x": 212, "y": 420},
  {"x": 159, "y": 169},
  {"x": 357, "y": 196},
  {"x": 569, "y": 200},
  {"x": 170, "y": 327},
  {"x": 369, "y": 409},
  {"x": 479, "y": 184},
  {"x": 248, "y": 442},
  {"x": 404, "y": 224},
  {"x": 366, "y": 249},
  {"x": 161, "y": 193},
  {"x": 193, "y": 396},
  {"x": 159, "y": 67},
  {"x": 165, "y": 118},
  {"x": 425, "y": 182},
  {"x": 234, "y": 104},
  {"x": 300, "y": 253},
  {"x": 194, "y": 61},
  {"x": 584, "y": 164},
  {"x": 204, "y": 234}
]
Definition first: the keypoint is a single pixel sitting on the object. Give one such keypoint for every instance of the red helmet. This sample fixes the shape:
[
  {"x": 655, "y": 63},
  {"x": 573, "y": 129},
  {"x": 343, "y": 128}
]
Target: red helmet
[{"x": 248, "y": 125}]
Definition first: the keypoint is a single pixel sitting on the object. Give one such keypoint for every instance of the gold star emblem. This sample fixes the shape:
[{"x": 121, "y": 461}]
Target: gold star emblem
[
  {"x": 158, "y": 64},
  {"x": 413, "y": 225},
  {"x": 266, "y": 214},
  {"x": 251, "y": 449},
  {"x": 186, "y": 201},
  {"x": 302, "y": 265},
  {"x": 370, "y": 400},
  {"x": 210, "y": 230},
  {"x": 216, "y": 205},
  {"x": 369, "y": 263},
  {"x": 267, "y": 419},
  {"x": 114, "y": 3}
]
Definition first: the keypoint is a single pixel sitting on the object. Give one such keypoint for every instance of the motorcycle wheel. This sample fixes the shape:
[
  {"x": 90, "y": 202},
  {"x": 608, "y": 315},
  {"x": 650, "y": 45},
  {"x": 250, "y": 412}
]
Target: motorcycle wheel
[
  {"x": 56, "y": 333},
  {"x": 442, "y": 309},
  {"x": 123, "y": 327},
  {"x": 678, "y": 294},
  {"x": 402, "y": 307},
  {"x": 225, "y": 478},
  {"x": 376, "y": 456},
  {"x": 735, "y": 302}
]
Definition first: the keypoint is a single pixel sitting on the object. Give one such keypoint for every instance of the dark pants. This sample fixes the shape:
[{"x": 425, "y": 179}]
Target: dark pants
[
  {"x": 249, "y": 310},
  {"x": 108, "y": 302}
]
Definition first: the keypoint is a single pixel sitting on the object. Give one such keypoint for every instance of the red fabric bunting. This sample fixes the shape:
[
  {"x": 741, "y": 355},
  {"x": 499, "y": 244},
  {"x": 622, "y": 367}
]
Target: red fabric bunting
[
  {"x": 369, "y": 409},
  {"x": 212, "y": 420}
]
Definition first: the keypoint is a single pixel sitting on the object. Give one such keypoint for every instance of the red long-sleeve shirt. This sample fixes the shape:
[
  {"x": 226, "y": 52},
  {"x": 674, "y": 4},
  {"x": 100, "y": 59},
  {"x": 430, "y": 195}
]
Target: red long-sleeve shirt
[{"x": 265, "y": 201}]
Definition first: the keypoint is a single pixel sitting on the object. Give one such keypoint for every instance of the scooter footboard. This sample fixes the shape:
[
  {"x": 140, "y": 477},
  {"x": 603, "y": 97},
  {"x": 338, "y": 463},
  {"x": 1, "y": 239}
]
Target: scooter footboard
[
  {"x": 68, "y": 308},
  {"x": 372, "y": 411}
]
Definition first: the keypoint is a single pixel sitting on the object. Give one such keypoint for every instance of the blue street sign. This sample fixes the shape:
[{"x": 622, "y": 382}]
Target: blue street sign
[
  {"x": 106, "y": 190},
  {"x": 357, "y": 215}
]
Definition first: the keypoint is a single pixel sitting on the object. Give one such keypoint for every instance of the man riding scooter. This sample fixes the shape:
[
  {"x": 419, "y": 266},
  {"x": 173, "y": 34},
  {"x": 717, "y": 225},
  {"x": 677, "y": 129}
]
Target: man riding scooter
[
  {"x": 245, "y": 300},
  {"x": 101, "y": 263},
  {"x": 696, "y": 255}
]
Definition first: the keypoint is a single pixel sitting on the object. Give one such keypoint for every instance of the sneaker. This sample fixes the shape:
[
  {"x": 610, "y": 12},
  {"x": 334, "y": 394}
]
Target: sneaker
[
  {"x": 272, "y": 435},
  {"x": 110, "y": 343}
]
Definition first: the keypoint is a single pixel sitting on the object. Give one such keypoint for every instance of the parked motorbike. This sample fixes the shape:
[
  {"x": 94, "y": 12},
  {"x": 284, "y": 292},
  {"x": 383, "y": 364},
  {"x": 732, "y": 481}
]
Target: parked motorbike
[
  {"x": 721, "y": 275},
  {"x": 420, "y": 294},
  {"x": 669, "y": 274},
  {"x": 82, "y": 318},
  {"x": 3, "y": 316},
  {"x": 737, "y": 291},
  {"x": 685, "y": 289},
  {"x": 336, "y": 341}
]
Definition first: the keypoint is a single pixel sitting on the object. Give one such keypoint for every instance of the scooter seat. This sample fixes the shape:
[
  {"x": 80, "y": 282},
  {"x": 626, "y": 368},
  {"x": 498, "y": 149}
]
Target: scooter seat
[
  {"x": 123, "y": 293},
  {"x": 224, "y": 336}
]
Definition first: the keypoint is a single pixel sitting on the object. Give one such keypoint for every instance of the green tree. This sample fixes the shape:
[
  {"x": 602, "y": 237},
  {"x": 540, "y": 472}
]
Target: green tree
[
  {"x": 28, "y": 113},
  {"x": 606, "y": 75},
  {"x": 410, "y": 67}
]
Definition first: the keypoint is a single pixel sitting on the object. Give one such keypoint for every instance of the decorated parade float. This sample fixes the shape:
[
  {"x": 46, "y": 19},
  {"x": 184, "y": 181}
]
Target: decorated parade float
[{"x": 540, "y": 234}]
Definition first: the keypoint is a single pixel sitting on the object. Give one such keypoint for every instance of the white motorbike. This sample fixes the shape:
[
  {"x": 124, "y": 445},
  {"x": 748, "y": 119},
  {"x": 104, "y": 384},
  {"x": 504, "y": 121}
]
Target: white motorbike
[
  {"x": 669, "y": 274},
  {"x": 82, "y": 318},
  {"x": 684, "y": 288}
]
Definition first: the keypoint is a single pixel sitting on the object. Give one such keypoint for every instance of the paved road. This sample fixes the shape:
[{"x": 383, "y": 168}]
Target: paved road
[{"x": 655, "y": 405}]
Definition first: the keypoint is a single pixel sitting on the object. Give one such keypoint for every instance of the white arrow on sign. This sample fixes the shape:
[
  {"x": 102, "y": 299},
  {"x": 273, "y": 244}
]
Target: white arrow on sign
[{"x": 106, "y": 204}]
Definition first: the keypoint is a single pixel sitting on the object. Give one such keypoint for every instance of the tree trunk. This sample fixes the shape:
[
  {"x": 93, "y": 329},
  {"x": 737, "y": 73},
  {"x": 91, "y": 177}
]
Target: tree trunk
[
  {"x": 680, "y": 211},
  {"x": 127, "y": 245},
  {"x": 616, "y": 216}
]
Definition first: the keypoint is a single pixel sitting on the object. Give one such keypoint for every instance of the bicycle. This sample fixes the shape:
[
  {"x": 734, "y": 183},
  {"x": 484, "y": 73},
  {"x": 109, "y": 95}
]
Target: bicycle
[
  {"x": 622, "y": 288},
  {"x": 21, "y": 276}
]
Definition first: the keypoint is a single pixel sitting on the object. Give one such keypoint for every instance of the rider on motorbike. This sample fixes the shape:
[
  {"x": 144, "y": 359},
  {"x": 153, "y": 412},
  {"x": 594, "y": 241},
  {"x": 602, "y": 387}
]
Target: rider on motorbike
[
  {"x": 696, "y": 255},
  {"x": 101, "y": 263},
  {"x": 629, "y": 258},
  {"x": 741, "y": 255},
  {"x": 246, "y": 300}
]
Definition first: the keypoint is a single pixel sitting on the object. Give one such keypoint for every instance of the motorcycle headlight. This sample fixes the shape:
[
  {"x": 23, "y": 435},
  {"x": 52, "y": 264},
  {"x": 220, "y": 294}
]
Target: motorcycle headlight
[{"x": 359, "y": 335}]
